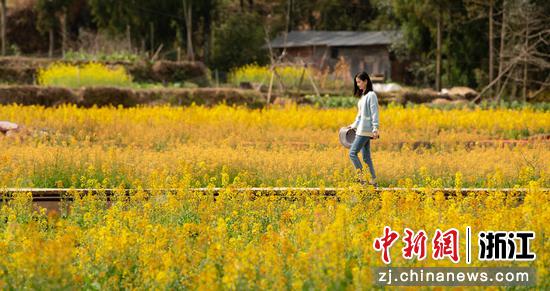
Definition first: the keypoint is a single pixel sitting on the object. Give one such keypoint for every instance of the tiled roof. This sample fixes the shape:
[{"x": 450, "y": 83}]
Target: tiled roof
[{"x": 335, "y": 38}]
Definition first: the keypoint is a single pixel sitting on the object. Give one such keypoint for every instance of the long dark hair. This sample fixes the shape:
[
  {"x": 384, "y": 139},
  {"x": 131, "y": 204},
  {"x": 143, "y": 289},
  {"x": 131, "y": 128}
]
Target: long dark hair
[{"x": 363, "y": 76}]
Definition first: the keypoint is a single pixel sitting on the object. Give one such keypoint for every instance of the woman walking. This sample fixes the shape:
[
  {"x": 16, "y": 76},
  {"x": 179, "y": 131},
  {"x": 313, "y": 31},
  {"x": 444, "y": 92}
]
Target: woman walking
[{"x": 366, "y": 125}]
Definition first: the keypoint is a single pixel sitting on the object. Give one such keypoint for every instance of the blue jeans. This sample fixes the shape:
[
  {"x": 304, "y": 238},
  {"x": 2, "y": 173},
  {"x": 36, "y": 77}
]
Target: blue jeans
[{"x": 361, "y": 143}]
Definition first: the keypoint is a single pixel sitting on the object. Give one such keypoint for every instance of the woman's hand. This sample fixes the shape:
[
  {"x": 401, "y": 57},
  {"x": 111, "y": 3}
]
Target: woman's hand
[{"x": 375, "y": 134}]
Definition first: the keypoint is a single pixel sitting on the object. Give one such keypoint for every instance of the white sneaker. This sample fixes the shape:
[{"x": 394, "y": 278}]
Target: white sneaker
[{"x": 373, "y": 182}]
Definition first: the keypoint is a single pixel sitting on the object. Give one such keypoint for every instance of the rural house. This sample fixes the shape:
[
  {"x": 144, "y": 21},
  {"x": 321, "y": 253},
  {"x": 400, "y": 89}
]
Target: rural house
[{"x": 363, "y": 50}]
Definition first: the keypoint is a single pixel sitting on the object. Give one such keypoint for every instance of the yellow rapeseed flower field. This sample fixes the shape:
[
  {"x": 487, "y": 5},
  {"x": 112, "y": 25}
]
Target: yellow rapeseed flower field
[
  {"x": 188, "y": 240},
  {"x": 90, "y": 74},
  {"x": 292, "y": 146},
  {"x": 290, "y": 76}
]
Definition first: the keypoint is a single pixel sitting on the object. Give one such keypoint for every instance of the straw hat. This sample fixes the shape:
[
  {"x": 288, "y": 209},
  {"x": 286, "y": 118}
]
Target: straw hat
[
  {"x": 346, "y": 136},
  {"x": 6, "y": 126}
]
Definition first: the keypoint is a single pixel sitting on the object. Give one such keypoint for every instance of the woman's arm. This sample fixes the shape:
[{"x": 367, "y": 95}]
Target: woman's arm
[
  {"x": 356, "y": 122},
  {"x": 374, "y": 111}
]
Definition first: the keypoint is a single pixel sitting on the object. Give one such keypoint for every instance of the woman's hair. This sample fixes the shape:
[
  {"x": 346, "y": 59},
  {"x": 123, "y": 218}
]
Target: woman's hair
[{"x": 363, "y": 76}]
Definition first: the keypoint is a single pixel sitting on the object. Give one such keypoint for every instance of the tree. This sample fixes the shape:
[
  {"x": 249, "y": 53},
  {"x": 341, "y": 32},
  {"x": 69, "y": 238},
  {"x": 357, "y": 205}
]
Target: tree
[
  {"x": 344, "y": 14},
  {"x": 50, "y": 12},
  {"x": 208, "y": 10},
  {"x": 239, "y": 41},
  {"x": 423, "y": 30},
  {"x": 133, "y": 18},
  {"x": 501, "y": 49},
  {"x": 3, "y": 25},
  {"x": 478, "y": 9},
  {"x": 524, "y": 51},
  {"x": 491, "y": 37},
  {"x": 458, "y": 56},
  {"x": 329, "y": 14},
  {"x": 187, "y": 14},
  {"x": 172, "y": 24}
]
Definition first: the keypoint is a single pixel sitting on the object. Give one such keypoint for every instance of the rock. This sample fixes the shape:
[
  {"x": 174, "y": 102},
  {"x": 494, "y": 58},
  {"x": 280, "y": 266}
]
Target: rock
[
  {"x": 397, "y": 100},
  {"x": 440, "y": 101},
  {"x": 459, "y": 102},
  {"x": 391, "y": 87},
  {"x": 460, "y": 92},
  {"x": 420, "y": 96},
  {"x": 6, "y": 127},
  {"x": 428, "y": 91}
]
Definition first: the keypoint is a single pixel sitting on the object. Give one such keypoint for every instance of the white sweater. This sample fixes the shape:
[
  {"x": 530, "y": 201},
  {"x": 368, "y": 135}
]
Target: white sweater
[{"x": 366, "y": 121}]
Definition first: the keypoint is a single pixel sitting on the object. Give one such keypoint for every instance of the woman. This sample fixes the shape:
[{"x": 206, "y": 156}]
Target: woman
[{"x": 366, "y": 125}]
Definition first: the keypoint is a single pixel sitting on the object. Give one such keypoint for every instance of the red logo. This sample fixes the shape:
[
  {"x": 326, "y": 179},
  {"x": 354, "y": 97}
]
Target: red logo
[
  {"x": 445, "y": 245},
  {"x": 385, "y": 242},
  {"x": 414, "y": 244}
]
